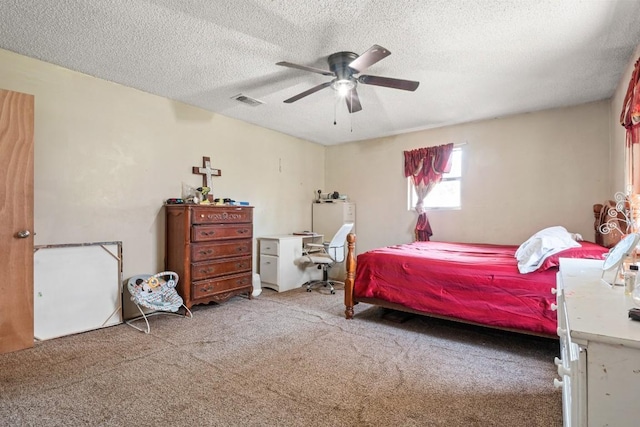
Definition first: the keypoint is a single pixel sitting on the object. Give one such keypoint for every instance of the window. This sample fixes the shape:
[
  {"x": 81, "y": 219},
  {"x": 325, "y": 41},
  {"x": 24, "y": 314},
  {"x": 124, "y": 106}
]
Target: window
[{"x": 445, "y": 195}]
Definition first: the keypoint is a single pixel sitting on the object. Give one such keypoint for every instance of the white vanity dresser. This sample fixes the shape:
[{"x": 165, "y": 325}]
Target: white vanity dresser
[{"x": 599, "y": 366}]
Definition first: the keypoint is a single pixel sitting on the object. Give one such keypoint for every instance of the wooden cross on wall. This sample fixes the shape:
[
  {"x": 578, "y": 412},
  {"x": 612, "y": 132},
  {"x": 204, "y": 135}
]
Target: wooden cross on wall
[{"x": 207, "y": 173}]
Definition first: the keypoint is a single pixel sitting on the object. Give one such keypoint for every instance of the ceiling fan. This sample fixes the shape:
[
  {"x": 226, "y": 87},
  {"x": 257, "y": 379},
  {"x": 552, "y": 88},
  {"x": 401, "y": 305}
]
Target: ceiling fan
[{"x": 344, "y": 66}]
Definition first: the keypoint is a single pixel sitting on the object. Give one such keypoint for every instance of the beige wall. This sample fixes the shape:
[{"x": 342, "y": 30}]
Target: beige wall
[
  {"x": 520, "y": 174},
  {"x": 107, "y": 156},
  {"x": 618, "y": 134}
]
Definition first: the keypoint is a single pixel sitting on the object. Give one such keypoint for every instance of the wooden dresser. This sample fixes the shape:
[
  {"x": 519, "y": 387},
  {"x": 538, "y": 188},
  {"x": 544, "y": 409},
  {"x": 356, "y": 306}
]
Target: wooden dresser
[{"x": 211, "y": 249}]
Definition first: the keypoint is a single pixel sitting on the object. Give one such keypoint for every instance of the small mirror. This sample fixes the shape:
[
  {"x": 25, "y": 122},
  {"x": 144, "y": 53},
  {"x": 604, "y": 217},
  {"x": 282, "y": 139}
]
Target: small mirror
[{"x": 619, "y": 252}]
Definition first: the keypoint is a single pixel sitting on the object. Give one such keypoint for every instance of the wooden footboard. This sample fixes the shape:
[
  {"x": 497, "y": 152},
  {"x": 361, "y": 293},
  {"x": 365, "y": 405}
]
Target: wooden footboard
[{"x": 351, "y": 275}]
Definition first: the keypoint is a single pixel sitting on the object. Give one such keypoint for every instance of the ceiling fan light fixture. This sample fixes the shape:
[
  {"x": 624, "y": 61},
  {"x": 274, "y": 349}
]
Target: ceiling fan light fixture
[
  {"x": 343, "y": 86},
  {"x": 346, "y": 67}
]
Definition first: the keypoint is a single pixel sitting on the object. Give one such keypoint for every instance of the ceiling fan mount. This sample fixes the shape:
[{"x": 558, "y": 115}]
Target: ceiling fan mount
[
  {"x": 344, "y": 66},
  {"x": 339, "y": 64}
]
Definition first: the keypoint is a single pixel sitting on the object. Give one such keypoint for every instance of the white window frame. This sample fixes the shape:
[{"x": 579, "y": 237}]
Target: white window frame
[{"x": 454, "y": 175}]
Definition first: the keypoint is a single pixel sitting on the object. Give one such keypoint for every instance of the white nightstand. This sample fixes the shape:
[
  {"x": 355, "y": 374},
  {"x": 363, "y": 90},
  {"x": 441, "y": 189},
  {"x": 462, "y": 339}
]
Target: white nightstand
[{"x": 279, "y": 266}]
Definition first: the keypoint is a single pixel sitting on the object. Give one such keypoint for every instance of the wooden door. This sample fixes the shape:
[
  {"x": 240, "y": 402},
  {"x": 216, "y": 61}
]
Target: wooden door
[{"x": 16, "y": 221}]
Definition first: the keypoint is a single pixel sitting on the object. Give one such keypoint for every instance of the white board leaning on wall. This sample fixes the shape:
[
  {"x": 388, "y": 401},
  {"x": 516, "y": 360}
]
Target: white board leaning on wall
[{"x": 77, "y": 288}]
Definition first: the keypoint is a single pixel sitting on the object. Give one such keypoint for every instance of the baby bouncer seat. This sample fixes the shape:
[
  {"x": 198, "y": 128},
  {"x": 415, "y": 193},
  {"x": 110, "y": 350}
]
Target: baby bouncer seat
[{"x": 155, "y": 292}]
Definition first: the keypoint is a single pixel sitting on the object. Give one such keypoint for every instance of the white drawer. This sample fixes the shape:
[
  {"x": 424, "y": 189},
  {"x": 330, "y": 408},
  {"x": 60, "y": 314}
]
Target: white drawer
[
  {"x": 269, "y": 269},
  {"x": 269, "y": 247}
]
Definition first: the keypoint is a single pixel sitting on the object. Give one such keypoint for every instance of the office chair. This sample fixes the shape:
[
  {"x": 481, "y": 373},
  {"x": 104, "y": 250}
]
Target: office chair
[{"x": 325, "y": 255}]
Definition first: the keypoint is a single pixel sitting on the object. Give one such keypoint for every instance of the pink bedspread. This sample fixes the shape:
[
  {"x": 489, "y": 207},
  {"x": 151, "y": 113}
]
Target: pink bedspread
[{"x": 475, "y": 282}]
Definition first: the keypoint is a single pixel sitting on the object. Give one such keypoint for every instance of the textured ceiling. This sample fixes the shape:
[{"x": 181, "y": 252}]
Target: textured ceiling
[{"x": 474, "y": 59}]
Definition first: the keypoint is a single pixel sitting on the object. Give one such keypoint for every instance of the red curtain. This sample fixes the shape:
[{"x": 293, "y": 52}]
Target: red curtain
[
  {"x": 425, "y": 166},
  {"x": 423, "y": 230},
  {"x": 630, "y": 119}
]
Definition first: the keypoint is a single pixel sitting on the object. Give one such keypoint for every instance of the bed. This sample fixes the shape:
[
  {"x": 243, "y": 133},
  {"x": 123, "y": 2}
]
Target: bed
[{"x": 474, "y": 283}]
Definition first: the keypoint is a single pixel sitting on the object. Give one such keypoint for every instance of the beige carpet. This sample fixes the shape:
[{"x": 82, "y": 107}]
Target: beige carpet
[{"x": 288, "y": 359}]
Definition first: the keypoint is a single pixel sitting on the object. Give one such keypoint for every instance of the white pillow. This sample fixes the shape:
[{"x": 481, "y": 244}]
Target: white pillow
[{"x": 532, "y": 253}]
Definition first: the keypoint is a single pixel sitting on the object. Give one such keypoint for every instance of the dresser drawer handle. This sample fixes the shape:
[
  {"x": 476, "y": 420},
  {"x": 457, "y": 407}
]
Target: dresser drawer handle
[
  {"x": 242, "y": 265},
  {"x": 207, "y": 252},
  {"x": 243, "y": 230},
  {"x": 208, "y": 233},
  {"x": 207, "y": 270},
  {"x": 242, "y": 249},
  {"x": 562, "y": 371},
  {"x": 242, "y": 282},
  {"x": 206, "y": 289}
]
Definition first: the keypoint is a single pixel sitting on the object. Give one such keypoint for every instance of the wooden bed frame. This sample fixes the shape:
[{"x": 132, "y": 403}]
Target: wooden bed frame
[{"x": 350, "y": 300}]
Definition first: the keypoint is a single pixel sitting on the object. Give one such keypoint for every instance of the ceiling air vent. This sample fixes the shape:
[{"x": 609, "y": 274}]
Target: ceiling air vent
[{"x": 247, "y": 100}]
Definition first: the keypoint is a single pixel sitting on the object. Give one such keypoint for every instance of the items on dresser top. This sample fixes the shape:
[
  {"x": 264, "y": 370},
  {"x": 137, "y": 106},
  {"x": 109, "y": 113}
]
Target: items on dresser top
[
  {"x": 207, "y": 173},
  {"x": 211, "y": 249},
  {"x": 192, "y": 200},
  {"x": 617, "y": 260},
  {"x": 630, "y": 277}
]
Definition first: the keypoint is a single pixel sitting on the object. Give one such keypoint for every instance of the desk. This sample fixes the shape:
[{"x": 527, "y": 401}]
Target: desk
[{"x": 279, "y": 265}]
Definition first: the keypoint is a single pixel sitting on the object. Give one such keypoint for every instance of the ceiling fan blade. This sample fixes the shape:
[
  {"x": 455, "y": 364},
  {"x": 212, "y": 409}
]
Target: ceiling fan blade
[
  {"x": 353, "y": 101},
  {"x": 305, "y": 68},
  {"x": 389, "y": 82},
  {"x": 370, "y": 57},
  {"x": 307, "y": 92}
]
